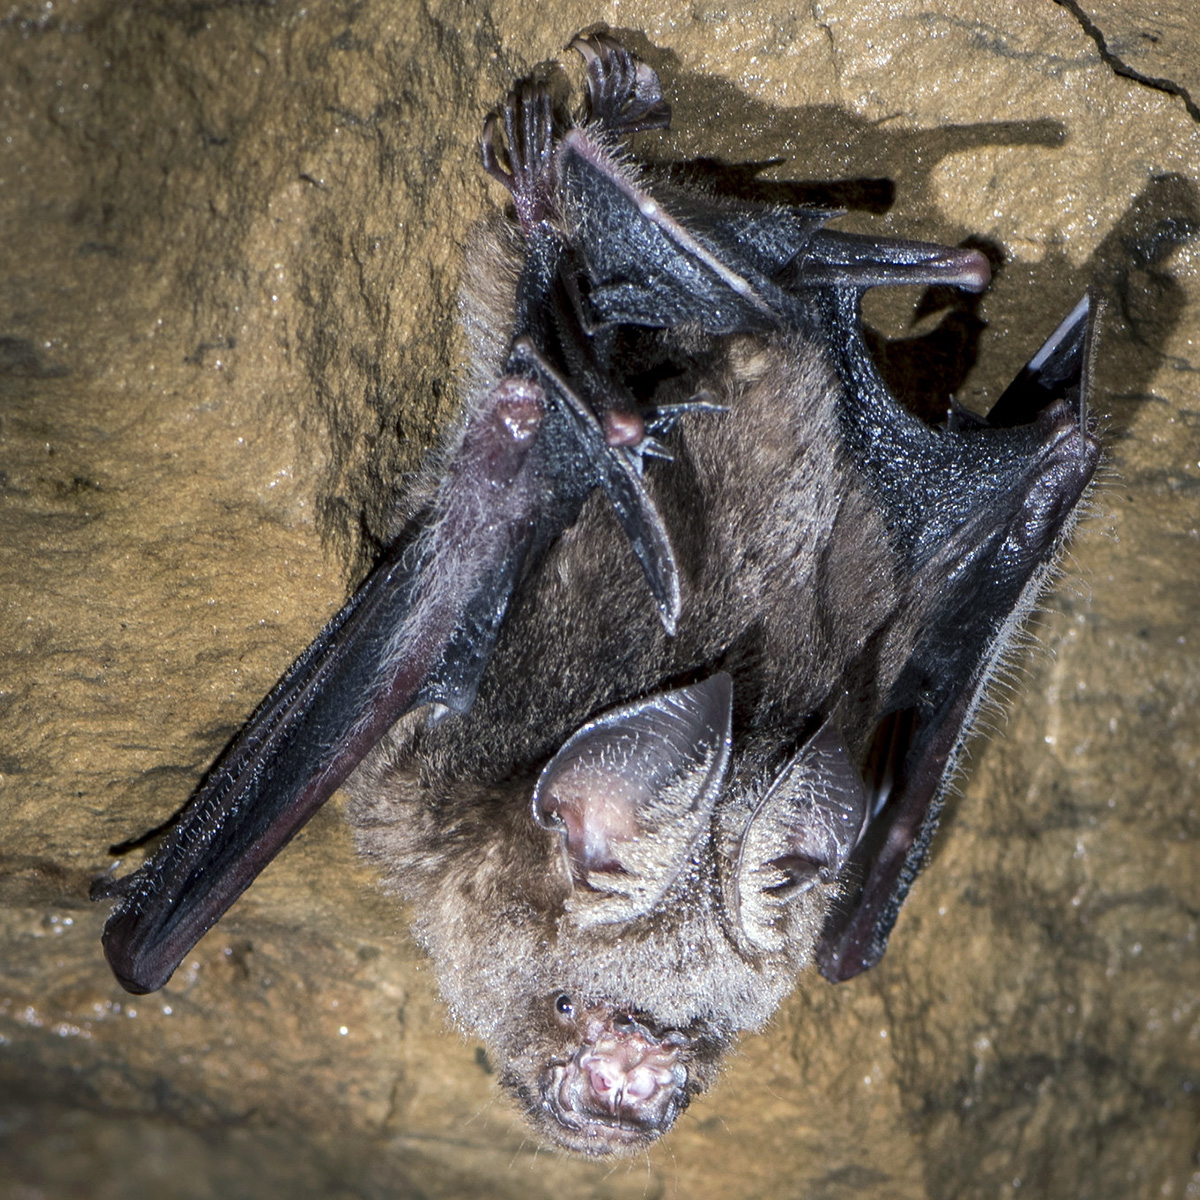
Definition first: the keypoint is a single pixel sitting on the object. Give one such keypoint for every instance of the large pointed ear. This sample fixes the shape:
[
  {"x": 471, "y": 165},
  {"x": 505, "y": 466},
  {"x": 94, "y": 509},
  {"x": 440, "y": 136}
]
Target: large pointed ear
[
  {"x": 632, "y": 792},
  {"x": 801, "y": 832}
]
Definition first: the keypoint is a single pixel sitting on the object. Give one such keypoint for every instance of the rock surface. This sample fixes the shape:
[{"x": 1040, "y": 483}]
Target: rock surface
[{"x": 230, "y": 239}]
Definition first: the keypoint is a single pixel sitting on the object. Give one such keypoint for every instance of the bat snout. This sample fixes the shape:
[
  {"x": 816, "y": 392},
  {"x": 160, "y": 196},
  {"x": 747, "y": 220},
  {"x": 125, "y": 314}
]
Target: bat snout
[{"x": 620, "y": 1091}]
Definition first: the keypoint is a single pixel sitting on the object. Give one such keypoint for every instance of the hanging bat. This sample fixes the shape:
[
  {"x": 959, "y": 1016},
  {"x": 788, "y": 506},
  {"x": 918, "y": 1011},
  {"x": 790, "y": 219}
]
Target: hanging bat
[{"x": 655, "y": 701}]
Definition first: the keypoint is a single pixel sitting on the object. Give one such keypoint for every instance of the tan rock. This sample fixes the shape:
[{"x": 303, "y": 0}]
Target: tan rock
[{"x": 231, "y": 239}]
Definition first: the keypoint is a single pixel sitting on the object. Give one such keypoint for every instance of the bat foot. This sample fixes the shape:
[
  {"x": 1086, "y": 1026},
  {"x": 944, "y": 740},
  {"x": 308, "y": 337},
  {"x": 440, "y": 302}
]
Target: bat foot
[
  {"x": 529, "y": 147},
  {"x": 624, "y": 94}
]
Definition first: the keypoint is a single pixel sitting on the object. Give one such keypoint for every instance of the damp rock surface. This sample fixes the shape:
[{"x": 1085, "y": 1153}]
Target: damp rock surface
[{"x": 230, "y": 239}]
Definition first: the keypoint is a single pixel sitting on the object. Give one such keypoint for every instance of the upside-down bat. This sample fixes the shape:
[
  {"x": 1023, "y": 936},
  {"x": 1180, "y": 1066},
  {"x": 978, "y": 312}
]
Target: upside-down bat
[{"x": 656, "y": 699}]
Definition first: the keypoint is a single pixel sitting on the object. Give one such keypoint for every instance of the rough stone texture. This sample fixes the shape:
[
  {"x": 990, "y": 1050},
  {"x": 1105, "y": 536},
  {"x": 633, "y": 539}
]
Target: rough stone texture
[{"x": 230, "y": 238}]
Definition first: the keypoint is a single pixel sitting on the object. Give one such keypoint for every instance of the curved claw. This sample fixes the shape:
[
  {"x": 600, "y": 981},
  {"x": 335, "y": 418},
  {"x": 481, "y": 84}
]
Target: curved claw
[
  {"x": 529, "y": 145},
  {"x": 663, "y": 417},
  {"x": 650, "y": 447},
  {"x": 491, "y": 160},
  {"x": 624, "y": 94}
]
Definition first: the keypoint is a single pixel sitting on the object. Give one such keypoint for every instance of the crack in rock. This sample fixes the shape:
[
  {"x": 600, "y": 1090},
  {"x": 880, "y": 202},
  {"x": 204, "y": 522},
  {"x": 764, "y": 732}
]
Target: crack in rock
[{"x": 1121, "y": 68}]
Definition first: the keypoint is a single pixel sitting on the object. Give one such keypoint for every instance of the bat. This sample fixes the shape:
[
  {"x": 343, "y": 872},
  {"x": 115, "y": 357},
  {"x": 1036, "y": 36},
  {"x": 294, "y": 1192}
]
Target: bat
[{"x": 655, "y": 701}]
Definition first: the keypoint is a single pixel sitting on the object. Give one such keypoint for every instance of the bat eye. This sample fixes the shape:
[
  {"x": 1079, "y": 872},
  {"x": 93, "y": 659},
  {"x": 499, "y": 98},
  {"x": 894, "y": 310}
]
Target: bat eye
[{"x": 564, "y": 1006}]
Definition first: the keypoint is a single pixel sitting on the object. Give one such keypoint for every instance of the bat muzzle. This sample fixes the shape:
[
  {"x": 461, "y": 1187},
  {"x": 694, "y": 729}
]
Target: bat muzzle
[{"x": 622, "y": 1089}]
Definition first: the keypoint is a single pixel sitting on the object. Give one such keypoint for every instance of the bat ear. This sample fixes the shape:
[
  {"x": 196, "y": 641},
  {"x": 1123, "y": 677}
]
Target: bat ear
[
  {"x": 802, "y": 832},
  {"x": 632, "y": 793}
]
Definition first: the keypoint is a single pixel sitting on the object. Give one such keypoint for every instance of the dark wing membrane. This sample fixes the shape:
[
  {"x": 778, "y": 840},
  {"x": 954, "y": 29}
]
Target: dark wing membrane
[
  {"x": 857, "y": 261},
  {"x": 664, "y": 258},
  {"x": 651, "y": 267},
  {"x": 984, "y": 576},
  {"x": 419, "y": 630}
]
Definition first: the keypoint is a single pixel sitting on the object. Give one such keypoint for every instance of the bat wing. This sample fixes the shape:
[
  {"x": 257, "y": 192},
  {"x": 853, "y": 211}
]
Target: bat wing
[
  {"x": 663, "y": 259},
  {"x": 418, "y": 631},
  {"x": 421, "y": 629},
  {"x": 1006, "y": 490}
]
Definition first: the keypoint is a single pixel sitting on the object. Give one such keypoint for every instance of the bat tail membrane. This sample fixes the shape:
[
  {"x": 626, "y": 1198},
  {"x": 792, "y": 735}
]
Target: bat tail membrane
[
  {"x": 419, "y": 630},
  {"x": 974, "y": 583}
]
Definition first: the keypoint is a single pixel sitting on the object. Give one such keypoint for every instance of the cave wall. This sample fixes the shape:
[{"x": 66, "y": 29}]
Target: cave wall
[{"x": 230, "y": 239}]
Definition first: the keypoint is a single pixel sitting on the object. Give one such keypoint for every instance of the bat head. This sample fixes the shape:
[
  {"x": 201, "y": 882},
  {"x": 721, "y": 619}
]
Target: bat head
[{"x": 609, "y": 934}]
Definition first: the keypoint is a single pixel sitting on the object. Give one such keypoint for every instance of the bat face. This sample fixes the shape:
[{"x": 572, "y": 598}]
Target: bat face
[{"x": 656, "y": 700}]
